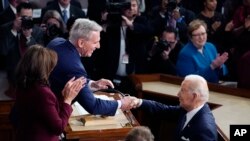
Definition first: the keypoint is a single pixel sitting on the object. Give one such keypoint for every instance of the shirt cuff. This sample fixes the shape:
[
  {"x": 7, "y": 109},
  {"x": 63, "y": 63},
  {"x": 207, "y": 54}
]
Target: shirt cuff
[
  {"x": 140, "y": 103},
  {"x": 119, "y": 104},
  {"x": 91, "y": 88}
]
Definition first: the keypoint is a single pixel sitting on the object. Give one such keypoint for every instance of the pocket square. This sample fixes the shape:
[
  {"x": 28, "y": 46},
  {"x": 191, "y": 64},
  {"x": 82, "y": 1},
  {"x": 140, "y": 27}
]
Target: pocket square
[{"x": 184, "y": 139}]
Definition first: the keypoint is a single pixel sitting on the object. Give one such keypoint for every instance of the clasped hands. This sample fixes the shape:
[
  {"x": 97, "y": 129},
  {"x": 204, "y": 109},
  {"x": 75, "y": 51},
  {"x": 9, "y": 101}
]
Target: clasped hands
[
  {"x": 219, "y": 60},
  {"x": 129, "y": 102}
]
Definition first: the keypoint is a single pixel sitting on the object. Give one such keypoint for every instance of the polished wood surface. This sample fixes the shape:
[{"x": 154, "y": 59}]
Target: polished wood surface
[
  {"x": 229, "y": 105},
  {"x": 104, "y": 133},
  {"x": 6, "y": 129},
  {"x": 7, "y": 132}
]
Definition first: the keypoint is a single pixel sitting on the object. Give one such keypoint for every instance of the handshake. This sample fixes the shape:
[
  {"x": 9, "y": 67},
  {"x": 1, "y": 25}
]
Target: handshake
[{"x": 129, "y": 102}]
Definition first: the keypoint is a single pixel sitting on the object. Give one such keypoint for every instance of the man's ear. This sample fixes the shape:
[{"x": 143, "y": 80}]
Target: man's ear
[
  {"x": 195, "y": 96},
  {"x": 80, "y": 43}
]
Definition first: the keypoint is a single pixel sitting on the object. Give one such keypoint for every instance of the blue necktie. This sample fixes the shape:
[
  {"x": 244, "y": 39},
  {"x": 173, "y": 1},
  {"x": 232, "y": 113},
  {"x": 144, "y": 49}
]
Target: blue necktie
[{"x": 65, "y": 16}]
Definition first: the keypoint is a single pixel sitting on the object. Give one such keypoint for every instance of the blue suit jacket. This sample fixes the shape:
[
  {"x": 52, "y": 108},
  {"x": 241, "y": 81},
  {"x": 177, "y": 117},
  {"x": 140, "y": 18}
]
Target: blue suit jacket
[
  {"x": 69, "y": 65},
  {"x": 191, "y": 61},
  {"x": 201, "y": 127}
]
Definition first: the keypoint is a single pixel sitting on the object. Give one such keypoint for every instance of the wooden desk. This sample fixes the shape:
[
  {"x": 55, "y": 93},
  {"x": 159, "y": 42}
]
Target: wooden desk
[
  {"x": 6, "y": 129},
  {"x": 229, "y": 105},
  {"x": 105, "y": 132}
]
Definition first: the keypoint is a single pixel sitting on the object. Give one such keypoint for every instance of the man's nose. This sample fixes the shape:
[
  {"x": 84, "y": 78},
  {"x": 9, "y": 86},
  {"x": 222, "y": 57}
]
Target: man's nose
[{"x": 97, "y": 47}]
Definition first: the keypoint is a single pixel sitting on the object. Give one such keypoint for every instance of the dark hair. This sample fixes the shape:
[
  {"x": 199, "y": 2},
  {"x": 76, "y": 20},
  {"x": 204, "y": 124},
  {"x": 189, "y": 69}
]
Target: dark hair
[
  {"x": 23, "y": 5},
  {"x": 35, "y": 67},
  {"x": 170, "y": 29}
]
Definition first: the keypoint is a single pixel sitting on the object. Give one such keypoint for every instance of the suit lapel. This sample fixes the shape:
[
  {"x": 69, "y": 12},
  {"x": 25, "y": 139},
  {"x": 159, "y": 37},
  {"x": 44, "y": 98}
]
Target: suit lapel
[{"x": 188, "y": 128}]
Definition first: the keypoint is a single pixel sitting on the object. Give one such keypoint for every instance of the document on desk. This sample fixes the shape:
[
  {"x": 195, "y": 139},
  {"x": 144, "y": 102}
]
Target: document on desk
[
  {"x": 81, "y": 120},
  {"x": 78, "y": 110}
]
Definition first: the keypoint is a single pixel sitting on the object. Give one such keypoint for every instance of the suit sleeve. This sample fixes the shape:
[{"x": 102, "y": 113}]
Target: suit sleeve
[
  {"x": 86, "y": 98},
  {"x": 157, "y": 108},
  {"x": 55, "y": 117}
]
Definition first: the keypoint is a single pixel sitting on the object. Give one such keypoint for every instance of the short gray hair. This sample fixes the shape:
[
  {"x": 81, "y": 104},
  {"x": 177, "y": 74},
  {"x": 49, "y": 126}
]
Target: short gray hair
[
  {"x": 199, "y": 85},
  {"x": 82, "y": 28},
  {"x": 140, "y": 133}
]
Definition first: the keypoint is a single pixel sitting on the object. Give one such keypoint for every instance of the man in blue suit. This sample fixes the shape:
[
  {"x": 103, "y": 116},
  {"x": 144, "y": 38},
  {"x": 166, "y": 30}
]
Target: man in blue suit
[
  {"x": 83, "y": 40},
  {"x": 196, "y": 121}
]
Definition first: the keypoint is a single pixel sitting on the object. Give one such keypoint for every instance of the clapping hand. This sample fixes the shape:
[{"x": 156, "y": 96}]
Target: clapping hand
[
  {"x": 216, "y": 25},
  {"x": 219, "y": 60},
  {"x": 72, "y": 88}
]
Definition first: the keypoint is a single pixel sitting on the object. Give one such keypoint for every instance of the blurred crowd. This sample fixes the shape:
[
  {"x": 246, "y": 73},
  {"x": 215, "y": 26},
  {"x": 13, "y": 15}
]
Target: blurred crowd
[{"x": 177, "y": 37}]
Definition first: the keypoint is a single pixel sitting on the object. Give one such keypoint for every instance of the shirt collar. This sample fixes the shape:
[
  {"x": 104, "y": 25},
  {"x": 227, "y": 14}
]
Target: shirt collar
[
  {"x": 62, "y": 8},
  {"x": 13, "y": 8},
  {"x": 191, "y": 114}
]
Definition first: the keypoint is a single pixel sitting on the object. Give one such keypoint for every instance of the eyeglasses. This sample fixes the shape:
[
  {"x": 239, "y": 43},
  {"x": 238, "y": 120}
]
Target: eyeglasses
[{"x": 199, "y": 34}]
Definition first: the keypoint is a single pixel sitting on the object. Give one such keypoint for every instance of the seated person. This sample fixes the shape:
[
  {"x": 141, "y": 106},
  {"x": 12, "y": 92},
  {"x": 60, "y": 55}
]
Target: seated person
[{"x": 199, "y": 56}]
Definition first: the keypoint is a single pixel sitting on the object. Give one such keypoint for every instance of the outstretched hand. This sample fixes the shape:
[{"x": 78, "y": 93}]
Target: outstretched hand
[{"x": 129, "y": 102}]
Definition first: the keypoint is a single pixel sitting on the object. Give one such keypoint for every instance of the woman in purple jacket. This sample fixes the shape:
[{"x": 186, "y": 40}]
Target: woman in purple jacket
[{"x": 40, "y": 115}]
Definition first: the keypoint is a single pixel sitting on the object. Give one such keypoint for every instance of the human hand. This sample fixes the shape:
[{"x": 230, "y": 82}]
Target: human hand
[
  {"x": 104, "y": 16},
  {"x": 229, "y": 26},
  {"x": 247, "y": 22},
  {"x": 216, "y": 25},
  {"x": 136, "y": 102},
  {"x": 219, "y": 60},
  {"x": 165, "y": 54},
  {"x": 17, "y": 24},
  {"x": 176, "y": 13},
  {"x": 127, "y": 103},
  {"x": 128, "y": 22},
  {"x": 101, "y": 84},
  {"x": 72, "y": 88}
]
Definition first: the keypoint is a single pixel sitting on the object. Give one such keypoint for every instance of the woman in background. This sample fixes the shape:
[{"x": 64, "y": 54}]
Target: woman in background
[
  {"x": 199, "y": 56},
  {"x": 40, "y": 115}
]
